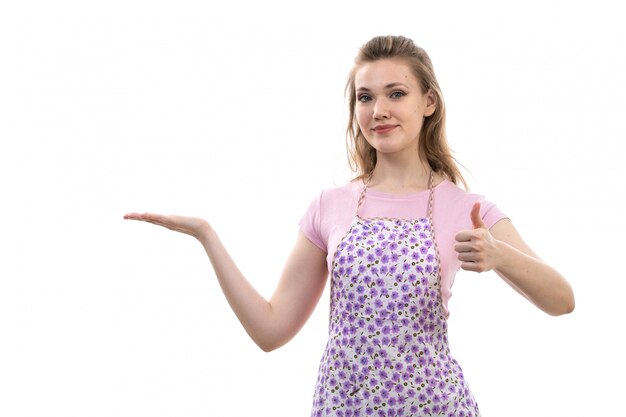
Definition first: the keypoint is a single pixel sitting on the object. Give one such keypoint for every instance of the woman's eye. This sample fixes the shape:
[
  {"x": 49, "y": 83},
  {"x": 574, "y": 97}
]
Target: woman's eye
[
  {"x": 397, "y": 94},
  {"x": 364, "y": 98}
]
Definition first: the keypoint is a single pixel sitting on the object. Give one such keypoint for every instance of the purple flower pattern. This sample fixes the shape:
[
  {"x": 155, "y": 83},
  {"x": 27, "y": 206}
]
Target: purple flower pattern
[{"x": 387, "y": 353}]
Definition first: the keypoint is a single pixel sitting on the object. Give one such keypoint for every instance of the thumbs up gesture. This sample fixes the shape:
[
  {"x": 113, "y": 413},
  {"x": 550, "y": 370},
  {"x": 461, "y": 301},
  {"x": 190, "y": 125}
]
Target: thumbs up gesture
[{"x": 477, "y": 248}]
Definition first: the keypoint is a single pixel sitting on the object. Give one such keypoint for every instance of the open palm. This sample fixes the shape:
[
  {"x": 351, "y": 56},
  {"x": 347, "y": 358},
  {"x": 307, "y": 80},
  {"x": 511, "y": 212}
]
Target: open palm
[{"x": 193, "y": 226}]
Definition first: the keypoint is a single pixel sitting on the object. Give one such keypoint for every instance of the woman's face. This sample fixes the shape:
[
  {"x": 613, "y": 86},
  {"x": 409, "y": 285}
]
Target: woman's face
[{"x": 390, "y": 106}]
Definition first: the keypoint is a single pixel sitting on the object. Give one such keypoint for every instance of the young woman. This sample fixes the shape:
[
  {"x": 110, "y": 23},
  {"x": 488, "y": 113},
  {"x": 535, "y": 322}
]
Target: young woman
[{"x": 392, "y": 240}]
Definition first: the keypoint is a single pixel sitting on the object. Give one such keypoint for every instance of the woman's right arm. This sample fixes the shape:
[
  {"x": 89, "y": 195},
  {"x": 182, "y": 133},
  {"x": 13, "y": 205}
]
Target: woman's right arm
[{"x": 271, "y": 323}]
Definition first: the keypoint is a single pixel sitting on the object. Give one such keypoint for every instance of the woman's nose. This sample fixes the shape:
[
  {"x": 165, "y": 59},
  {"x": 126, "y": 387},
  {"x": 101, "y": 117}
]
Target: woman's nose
[{"x": 381, "y": 110}]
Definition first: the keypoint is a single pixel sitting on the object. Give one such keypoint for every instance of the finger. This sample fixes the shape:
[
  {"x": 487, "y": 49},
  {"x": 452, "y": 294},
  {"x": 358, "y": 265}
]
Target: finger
[
  {"x": 134, "y": 216},
  {"x": 477, "y": 221},
  {"x": 472, "y": 266},
  {"x": 144, "y": 216},
  {"x": 469, "y": 257},
  {"x": 156, "y": 219},
  {"x": 465, "y": 236},
  {"x": 463, "y": 247}
]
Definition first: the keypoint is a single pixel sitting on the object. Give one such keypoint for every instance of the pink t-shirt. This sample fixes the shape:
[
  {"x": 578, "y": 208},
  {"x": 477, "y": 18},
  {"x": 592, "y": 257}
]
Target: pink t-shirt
[{"x": 330, "y": 215}]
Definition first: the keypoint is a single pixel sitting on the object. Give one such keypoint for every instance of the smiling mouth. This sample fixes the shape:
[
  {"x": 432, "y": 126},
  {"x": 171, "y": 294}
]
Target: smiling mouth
[{"x": 383, "y": 129}]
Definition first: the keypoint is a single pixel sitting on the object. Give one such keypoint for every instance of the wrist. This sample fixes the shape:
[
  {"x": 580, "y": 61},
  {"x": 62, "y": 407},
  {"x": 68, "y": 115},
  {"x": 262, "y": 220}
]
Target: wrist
[
  {"x": 503, "y": 251},
  {"x": 204, "y": 232}
]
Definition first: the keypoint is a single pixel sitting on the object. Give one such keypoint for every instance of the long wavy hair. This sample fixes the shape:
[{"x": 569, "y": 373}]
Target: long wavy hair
[{"x": 433, "y": 145}]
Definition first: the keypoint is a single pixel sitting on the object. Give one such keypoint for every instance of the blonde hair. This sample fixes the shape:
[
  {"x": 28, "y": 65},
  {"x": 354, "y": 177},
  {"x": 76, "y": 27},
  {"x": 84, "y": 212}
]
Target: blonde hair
[{"x": 433, "y": 146}]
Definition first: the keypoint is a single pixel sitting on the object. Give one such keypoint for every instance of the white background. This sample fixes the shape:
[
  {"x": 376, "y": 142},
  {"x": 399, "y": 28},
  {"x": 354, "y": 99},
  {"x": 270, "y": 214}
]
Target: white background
[{"x": 235, "y": 112}]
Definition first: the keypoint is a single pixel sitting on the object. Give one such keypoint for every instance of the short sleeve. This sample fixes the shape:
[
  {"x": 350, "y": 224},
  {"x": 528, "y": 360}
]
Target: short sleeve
[
  {"x": 310, "y": 223},
  {"x": 490, "y": 213}
]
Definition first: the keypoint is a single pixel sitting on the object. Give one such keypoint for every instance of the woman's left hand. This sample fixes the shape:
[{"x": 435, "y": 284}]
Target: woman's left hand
[{"x": 477, "y": 248}]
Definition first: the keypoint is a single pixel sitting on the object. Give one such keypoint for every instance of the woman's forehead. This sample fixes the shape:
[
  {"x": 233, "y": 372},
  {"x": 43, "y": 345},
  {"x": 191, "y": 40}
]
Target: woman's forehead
[{"x": 382, "y": 73}]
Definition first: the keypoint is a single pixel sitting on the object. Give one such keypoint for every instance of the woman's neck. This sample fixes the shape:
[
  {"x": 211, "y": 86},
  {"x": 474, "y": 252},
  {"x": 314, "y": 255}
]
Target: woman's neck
[{"x": 400, "y": 177}]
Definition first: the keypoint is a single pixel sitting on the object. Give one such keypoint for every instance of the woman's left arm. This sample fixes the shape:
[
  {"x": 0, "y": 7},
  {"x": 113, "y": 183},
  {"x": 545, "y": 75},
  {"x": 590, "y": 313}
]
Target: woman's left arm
[{"x": 502, "y": 249}]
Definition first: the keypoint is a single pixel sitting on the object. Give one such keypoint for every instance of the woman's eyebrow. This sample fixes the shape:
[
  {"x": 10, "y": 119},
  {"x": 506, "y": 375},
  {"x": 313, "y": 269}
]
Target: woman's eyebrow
[{"x": 388, "y": 86}]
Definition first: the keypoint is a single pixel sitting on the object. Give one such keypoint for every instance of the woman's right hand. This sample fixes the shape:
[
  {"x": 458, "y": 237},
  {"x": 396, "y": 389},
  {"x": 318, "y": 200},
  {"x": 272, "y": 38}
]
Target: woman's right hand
[
  {"x": 269, "y": 323},
  {"x": 193, "y": 226}
]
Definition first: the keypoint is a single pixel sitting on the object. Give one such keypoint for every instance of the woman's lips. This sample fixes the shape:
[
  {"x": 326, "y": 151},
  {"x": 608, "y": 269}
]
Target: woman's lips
[{"x": 383, "y": 128}]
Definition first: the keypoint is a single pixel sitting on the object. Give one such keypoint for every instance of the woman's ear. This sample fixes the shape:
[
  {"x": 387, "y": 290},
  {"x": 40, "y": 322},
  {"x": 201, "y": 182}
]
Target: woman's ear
[{"x": 431, "y": 103}]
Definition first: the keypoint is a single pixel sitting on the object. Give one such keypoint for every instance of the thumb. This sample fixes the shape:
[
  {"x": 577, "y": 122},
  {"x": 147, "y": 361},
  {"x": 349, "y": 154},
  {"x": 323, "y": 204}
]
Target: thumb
[{"x": 477, "y": 222}]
